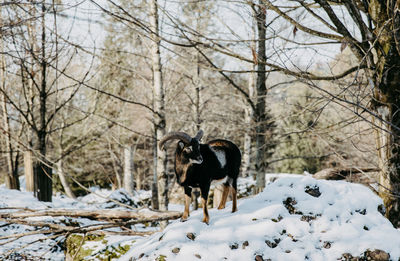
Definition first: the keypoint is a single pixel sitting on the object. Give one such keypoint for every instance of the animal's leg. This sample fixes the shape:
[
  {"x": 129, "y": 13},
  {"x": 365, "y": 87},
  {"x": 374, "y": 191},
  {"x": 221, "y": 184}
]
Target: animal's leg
[
  {"x": 224, "y": 196},
  {"x": 204, "y": 197},
  {"x": 234, "y": 196},
  {"x": 188, "y": 192}
]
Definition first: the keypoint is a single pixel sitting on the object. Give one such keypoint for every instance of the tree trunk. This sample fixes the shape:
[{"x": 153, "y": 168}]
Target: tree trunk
[
  {"x": 12, "y": 181},
  {"x": 103, "y": 214},
  {"x": 261, "y": 93},
  {"x": 63, "y": 179},
  {"x": 28, "y": 168},
  {"x": 42, "y": 170},
  {"x": 43, "y": 181},
  {"x": 128, "y": 169},
  {"x": 388, "y": 141},
  {"x": 388, "y": 145},
  {"x": 159, "y": 118},
  {"x": 249, "y": 115},
  {"x": 386, "y": 104},
  {"x": 139, "y": 179},
  {"x": 60, "y": 169}
]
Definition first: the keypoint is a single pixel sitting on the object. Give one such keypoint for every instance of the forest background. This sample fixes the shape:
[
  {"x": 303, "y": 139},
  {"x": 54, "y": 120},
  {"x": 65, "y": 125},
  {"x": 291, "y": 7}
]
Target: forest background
[{"x": 89, "y": 87}]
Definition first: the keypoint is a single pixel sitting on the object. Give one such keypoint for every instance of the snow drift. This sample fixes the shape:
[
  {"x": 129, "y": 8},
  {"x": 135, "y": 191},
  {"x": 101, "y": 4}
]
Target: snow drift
[{"x": 295, "y": 218}]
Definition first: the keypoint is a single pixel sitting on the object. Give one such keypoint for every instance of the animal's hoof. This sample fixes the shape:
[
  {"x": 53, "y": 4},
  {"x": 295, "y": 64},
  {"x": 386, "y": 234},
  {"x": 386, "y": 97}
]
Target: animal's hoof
[
  {"x": 234, "y": 210},
  {"x": 183, "y": 219},
  {"x": 220, "y": 207},
  {"x": 206, "y": 221}
]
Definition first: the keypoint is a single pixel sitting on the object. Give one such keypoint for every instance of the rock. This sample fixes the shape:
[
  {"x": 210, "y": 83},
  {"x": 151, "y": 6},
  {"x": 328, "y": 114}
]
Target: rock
[
  {"x": 259, "y": 258},
  {"x": 292, "y": 237},
  {"x": 276, "y": 220},
  {"x": 141, "y": 255},
  {"x": 307, "y": 218},
  {"x": 347, "y": 256},
  {"x": 198, "y": 256},
  {"x": 191, "y": 236},
  {"x": 273, "y": 244},
  {"x": 327, "y": 244},
  {"x": 313, "y": 191},
  {"x": 376, "y": 255},
  {"x": 289, "y": 205},
  {"x": 382, "y": 209},
  {"x": 176, "y": 250},
  {"x": 362, "y": 212},
  {"x": 245, "y": 244},
  {"x": 234, "y": 246}
]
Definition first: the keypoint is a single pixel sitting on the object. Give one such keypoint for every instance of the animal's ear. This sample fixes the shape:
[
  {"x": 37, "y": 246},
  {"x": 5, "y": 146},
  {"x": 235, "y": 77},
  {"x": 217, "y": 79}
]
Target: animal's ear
[{"x": 181, "y": 144}]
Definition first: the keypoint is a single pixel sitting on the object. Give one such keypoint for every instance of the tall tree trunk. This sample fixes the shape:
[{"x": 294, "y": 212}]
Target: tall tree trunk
[
  {"x": 12, "y": 181},
  {"x": 261, "y": 93},
  {"x": 42, "y": 170},
  {"x": 128, "y": 169},
  {"x": 197, "y": 93},
  {"x": 60, "y": 169},
  {"x": 249, "y": 113},
  {"x": 159, "y": 118},
  {"x": 63, "y": 179},
  {"x": 28, "y": 168},
  {"x": 386, "y": 104},
  {"x": 139, "y": 179}
]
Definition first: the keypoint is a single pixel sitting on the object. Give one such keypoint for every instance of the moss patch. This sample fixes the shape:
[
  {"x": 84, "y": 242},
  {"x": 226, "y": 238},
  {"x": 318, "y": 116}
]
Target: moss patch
[{"x": 93, "y": 247}]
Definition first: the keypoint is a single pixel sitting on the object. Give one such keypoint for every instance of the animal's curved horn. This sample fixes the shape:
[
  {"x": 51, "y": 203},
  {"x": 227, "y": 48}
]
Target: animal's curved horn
[
  {"x": 174, "y": 135},
  {"x": 199, "y": 135}
]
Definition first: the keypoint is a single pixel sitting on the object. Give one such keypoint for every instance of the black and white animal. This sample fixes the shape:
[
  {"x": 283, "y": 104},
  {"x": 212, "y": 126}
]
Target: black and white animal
[{"x": 197, "y": 165}]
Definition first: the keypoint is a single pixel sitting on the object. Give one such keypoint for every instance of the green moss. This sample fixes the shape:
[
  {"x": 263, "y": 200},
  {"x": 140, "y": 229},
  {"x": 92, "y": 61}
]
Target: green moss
[
  {"x": 78, "y": 250},
  {"x": 161, "y": 258},
  {"x": 112, "y": 252},
  {"x": 75, "y": 243}
]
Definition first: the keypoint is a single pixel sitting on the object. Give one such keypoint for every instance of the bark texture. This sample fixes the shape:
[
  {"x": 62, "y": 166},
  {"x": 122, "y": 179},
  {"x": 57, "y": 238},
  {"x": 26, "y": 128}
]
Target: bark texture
[
  {"x": 261, "y": 93},
  {"x": 386, "y": 103},
  {"x": 159, "y": 117}
]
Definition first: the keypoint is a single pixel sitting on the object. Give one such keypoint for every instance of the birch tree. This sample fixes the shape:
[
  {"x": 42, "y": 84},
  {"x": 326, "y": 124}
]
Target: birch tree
[{"x": 160, "y": 158}]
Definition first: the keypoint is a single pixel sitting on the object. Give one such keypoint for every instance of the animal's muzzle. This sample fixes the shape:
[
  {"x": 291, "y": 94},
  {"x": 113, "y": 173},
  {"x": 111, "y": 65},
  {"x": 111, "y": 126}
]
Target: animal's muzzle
[{"x": 198, "y": 160}]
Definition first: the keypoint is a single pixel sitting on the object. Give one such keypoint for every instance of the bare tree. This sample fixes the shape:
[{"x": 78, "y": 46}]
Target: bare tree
[
  {"x": 39, "y": 62},
  {"x": 374, "y": 40}
]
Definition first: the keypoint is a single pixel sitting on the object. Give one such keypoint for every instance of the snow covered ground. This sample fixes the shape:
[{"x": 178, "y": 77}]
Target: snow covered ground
[
  {"x": 295, "y": 218},
  {"x": 40, "y": 246}
]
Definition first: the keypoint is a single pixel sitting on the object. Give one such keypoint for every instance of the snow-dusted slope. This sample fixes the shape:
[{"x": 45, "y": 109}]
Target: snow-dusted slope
[
  {"x": 41, "y": 246},
  {"x": 295, "y": 218}
]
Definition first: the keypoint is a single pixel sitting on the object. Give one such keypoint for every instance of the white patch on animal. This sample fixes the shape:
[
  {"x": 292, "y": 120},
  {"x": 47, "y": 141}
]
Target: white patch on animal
[
  {"x": 192, "y": 161},
  {"x": 217, "y": 182},
  {"x": 220, "y": 156}
]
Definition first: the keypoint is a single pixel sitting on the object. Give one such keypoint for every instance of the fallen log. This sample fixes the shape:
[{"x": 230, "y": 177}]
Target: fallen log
[
  {"x": 104, "y": 214},
  {"x": 51, "y": 228},
  {"x": 341, "y": 173},
  {"x": 363, "y": 176}
]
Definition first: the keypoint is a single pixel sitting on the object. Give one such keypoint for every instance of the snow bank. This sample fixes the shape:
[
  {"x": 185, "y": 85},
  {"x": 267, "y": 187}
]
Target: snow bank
[
  {"x": 41, "y": 246},
  {"x": 295, "y": 218}
]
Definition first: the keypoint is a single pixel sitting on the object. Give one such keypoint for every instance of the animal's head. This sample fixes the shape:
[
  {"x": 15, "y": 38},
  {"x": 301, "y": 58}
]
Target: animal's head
[{"x": 187, "y": 151}]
